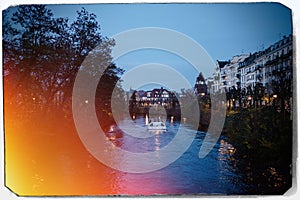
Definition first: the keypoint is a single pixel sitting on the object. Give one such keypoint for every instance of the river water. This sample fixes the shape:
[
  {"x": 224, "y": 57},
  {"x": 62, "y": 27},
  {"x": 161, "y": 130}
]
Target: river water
[
  {"x": 214, "y": 174},
  {"x": 57, "y": 163}
]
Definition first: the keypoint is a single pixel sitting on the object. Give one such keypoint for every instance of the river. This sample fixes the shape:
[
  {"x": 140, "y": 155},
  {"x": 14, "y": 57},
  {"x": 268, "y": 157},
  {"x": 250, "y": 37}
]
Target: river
[
  {"x": 214, "y": 174},
  {"x": 57, "y": 163}
]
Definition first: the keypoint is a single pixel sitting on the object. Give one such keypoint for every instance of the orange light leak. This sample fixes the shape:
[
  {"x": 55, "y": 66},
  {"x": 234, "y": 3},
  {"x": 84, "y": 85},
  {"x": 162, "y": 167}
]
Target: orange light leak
[{"x": 46, "y": 157}]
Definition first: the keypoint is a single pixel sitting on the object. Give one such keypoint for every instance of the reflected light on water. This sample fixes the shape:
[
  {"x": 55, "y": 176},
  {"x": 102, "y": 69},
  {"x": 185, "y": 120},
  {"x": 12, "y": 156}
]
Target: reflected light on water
[
  {"x": 226, "y": 148},
  {"x": 172, "y": 119},
  {"x": 146, "y": 120},
  {"x": 111, "y": 128},
  {"x": 157, "y": 142}
]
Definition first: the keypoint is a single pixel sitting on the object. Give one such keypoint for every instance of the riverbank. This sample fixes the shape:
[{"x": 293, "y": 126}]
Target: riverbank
[{"x": 263, "y": 141}]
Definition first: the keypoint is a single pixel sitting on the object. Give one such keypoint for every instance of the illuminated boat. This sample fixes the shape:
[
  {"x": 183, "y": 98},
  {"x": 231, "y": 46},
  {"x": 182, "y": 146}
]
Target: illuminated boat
[
  {"x": 157, "y": 126},
  {"x": 114, "y": 133}
]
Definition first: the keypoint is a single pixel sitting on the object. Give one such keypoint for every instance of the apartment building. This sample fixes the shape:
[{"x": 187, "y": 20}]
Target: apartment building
[{"x": 264, "y": 68}]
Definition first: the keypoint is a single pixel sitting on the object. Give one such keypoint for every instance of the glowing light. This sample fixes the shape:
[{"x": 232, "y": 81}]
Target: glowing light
[
  {"x": 275, "y": 96},
  {"x": 147, "y": 120},
  {"x": 86, "y": 101},
  {"x": 111, "y": 128}
]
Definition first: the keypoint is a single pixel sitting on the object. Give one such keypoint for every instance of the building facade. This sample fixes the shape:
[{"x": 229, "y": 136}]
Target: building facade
[
  {"x": 156, "y": 96},
  {"x": 200, "y": 87},
  {"x": 259, "y": 67},
  {"x": 229, "y": 72},
  {"x": 264, "y": 73}
]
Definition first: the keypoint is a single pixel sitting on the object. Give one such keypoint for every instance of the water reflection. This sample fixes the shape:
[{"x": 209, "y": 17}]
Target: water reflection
[
  {"x": 157, "y": 141},
  {"x": 214, "y": 174},
  {"x": 172, "y": 119},
  {"x": 226, "y": 148},
  {"x": 78, "y": 172},
  {"x": 146, "y": 120}
]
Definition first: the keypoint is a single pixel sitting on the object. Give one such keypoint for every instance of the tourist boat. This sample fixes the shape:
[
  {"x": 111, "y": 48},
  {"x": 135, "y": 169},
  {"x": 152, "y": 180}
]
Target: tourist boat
[
  {"x": 114, "y": 133},
  {"x": 157, "y": 126}
]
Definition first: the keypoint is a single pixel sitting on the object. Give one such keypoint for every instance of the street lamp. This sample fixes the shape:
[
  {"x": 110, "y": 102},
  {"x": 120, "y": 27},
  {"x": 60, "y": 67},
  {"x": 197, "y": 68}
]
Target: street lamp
[
  {"x": 249, "y": 99},
  {"x": 274, "y": 100}
]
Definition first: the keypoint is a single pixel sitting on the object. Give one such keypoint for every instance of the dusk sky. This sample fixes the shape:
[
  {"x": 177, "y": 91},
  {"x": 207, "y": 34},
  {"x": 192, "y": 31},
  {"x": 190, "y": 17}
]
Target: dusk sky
[{"x": 223, "y": 30}]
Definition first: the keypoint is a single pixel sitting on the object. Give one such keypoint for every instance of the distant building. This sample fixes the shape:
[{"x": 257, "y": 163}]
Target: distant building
[
  {"x": 244, "y": 71},
  {"x": 279, "y": 62},
  {"x": 155, "y": 96},
  {"x": 159, "y": 95},
  {"x": 266, "y": 66},
  {"x": 229, "y": 71},
  {"x": 247, "y": 70},
  {"x": 218, "y": 77},
  {"x": 210, "y": 85},
  {"x": 200, "y": 87}
]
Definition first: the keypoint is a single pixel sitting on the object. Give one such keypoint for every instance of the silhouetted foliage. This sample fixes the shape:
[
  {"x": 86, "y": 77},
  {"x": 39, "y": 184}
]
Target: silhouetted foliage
[
  {"x": 42, "y": 55},
  {"x": 263, "y": 142}
]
